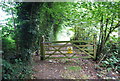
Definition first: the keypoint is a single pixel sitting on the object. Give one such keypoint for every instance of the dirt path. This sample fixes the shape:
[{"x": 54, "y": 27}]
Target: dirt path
[
  {"x": 65, "y": 69},
  {"x": 70, "y": 69}
]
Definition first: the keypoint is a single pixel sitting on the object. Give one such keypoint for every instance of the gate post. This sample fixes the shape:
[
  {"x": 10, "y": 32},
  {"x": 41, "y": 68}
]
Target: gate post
[
  {"x": 95, "y": 48},
  {"x": 42, "y": 50}
]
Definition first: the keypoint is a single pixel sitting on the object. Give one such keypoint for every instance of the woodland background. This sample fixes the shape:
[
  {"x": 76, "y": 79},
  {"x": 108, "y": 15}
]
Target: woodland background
[{"x": 28, "y": 21}]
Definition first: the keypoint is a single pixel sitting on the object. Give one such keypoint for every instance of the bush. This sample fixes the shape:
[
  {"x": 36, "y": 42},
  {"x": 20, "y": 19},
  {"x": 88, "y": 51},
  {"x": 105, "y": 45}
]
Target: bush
[
  {"x": 19, "y": 70},
  {"x": 111, "y": 61},
  {"x": 8, "y": 48}
]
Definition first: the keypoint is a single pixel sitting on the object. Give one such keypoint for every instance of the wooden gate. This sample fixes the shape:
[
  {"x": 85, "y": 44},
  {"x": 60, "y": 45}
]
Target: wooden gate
[{"x": 67, "y": 49}]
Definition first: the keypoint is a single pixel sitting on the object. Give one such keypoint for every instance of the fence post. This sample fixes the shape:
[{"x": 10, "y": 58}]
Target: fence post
[
  {"x": 42, "y": 50},
  {"x": 95, "y": 47}
]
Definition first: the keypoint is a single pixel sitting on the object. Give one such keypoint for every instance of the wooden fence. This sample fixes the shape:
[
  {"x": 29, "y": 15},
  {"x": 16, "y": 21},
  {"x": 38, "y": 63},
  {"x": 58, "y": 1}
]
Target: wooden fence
[{"x": 67, "y": 49}]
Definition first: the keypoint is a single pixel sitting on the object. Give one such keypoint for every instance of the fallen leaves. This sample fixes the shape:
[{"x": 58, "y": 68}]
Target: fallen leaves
[{"x": 69, "y": 69}]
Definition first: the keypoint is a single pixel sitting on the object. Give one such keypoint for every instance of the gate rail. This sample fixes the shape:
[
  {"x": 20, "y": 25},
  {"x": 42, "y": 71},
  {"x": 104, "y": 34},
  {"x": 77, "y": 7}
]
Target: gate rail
[{"x": 50, "y": 48}]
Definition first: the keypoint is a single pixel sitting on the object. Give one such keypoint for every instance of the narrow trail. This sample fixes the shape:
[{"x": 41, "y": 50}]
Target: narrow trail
[
  {"x": 65, "y": 69},
  {"x": 69, "y": 69}
]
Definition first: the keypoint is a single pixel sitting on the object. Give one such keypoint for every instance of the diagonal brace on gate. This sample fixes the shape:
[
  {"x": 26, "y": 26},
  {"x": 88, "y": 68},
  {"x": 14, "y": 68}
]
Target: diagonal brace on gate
[
  {"x": 83, "y": 50},
  {"x": 58, "y": 49}
]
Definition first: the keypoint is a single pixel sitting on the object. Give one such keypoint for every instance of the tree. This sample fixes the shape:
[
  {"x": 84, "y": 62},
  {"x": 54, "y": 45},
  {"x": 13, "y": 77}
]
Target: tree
[
  {"x": 108, "y": 15},
  {"x": 35, "y": 20},
  {"x": 102, "y": 17}
]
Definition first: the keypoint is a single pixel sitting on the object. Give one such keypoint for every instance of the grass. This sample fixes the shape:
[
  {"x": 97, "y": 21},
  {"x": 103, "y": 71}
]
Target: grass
[
  {"x": 74, "y": 68},
  {"x": 74, "y": 72}
]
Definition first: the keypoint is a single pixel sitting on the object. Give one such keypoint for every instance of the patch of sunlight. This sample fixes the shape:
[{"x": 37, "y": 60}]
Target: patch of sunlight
[
  {"x": 114, "y": 34},
  {"x": 64, "y": 34},
  {"x": 4, "y": 15}
]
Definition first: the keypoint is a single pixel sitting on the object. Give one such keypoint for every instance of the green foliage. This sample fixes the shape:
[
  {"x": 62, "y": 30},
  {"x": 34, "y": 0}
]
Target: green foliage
[
  {"x": 27, "y": 28},
  {"x": 21, "y": 33},
  {"x": 8, "y": 30},
  {"x": 13, "y": 67},
  {"x": 111, "y": 61},
  {"x": 8, "y": 48},
  {"x": 19, "y": 70},
  {"x": 74, "y": 68},
  {"x": 8, "y": 44},
  {"x": 101, "y": 18},
  {"x": 52, "y": 16}
]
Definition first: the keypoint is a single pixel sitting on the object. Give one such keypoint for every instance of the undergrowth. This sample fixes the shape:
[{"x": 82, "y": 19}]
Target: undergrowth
[
  {"x": 111, "y": 60},
  {"x": 19, "y": 70}
]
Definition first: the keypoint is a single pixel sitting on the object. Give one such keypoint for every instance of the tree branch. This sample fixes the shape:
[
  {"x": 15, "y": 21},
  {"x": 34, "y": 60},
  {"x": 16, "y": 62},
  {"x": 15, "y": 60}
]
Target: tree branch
[
  {"x": 107, "y": 20},
  {"x": 112, "y": 29},
  {"x": 13, "y": 19}
]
